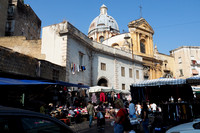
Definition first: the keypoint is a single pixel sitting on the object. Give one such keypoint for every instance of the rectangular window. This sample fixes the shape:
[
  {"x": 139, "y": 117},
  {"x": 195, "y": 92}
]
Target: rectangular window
[
  {"x": 81, "y": 58},
  {"x": 103, "y": 66},
  {"x": 137, "y": 74},
  {"x": 179, "y": 60},
  {"x": 130, "y": 73},
  {"x": 181, "y": 72},
  {"x": 123, "y": 86},
  {"x": 122, "y": 71}
]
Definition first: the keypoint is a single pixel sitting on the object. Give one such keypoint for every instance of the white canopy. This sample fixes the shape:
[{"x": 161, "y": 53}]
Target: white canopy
[
  {"x": 99, "y": 89},
  {"x": 106, "y": 89}
]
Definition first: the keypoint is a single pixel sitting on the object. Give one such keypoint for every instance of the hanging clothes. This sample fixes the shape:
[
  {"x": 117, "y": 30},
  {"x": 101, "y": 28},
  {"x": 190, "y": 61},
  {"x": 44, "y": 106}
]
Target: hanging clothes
[
  {"x": 94, "y": 98},
  {"x": 102, "y": 97},
  {"x": 74, "y": 69},
  {"x": 118, "y": 96},
  {"x": 78, "y": 68},
  {"x": 83, "y": 68}
]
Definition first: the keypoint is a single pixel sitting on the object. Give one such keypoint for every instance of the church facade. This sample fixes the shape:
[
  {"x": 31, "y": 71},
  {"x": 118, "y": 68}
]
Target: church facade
[{"x": 138, "y": 41}]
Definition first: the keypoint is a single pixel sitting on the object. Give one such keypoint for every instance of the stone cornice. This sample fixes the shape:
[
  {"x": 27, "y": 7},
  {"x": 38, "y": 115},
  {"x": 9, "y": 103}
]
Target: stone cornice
[{"x": 98, "y": 47}]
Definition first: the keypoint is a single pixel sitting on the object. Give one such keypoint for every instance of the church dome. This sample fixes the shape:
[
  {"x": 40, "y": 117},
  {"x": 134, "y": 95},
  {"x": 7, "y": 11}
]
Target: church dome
[{"x": 103, "y": 22}]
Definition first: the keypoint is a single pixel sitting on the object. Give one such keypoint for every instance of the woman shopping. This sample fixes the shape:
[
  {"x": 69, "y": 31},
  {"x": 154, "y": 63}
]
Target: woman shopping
[{"x": 119, "y": 117}]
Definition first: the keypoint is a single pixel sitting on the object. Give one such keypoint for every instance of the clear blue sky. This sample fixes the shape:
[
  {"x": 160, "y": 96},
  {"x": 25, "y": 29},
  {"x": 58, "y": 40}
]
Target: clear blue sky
[{"x": 175, "y": 22}]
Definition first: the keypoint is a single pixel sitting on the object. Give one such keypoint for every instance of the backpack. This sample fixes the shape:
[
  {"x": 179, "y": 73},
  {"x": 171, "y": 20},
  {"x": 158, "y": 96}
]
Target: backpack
[{"x": 127, "y": 124}]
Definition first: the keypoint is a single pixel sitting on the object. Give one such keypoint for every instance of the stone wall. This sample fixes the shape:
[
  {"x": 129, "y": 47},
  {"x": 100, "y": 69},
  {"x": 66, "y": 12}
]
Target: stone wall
[
  {"x": 27, "y": 23},
  {"x": 16, "y": 63},
  {"x": 22, "y": 21},
  {"x": 19, "y": 64},
  {"x": 22, "y": 45}
]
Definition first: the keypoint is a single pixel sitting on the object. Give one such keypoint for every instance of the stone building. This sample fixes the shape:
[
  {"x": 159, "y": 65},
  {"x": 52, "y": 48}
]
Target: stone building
[
  {"x": 187, "y": 61},
  {"x": 168, "y": 62},
  {"x": 87, "y": 62},
  {"x": 17, "y": 65},
  {"x": 3, "y": 16},
  {"x": 138, "y": 41},
  {"x": 21, "y": 20}
]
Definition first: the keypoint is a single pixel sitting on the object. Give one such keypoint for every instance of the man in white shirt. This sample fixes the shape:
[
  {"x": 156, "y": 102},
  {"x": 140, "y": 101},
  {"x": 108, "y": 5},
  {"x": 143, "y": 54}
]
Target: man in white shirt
[{"x": 153, "y": 107}]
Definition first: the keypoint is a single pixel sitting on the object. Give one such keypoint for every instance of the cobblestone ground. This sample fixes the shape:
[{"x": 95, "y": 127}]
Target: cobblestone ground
[{"x": 84, "y": 127}]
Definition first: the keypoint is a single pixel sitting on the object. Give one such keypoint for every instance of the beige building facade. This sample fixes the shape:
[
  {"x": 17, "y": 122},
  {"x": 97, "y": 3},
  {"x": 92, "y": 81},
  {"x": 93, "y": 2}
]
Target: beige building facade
[
  {"x": 168, "y": 62},
  {"x": 187, "y": 61}
]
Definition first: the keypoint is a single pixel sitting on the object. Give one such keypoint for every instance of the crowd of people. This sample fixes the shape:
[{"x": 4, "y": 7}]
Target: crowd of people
[
  {"x": 120, "y": 111},
  {"x": 117, "y": 108}
]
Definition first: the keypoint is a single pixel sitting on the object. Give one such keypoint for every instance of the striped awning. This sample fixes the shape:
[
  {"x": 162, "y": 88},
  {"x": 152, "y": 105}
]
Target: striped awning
[
  {"x": 158, "y": 82},
  {"x": 197, "y": 77},
  {"x": 194, "y": 80}
]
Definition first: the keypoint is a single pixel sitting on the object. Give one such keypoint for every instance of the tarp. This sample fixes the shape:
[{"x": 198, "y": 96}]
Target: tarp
[
  {"x": 71, "y": 84},
  {"x": 9, "y": 81},
  {"x": 159, "y": 82}
]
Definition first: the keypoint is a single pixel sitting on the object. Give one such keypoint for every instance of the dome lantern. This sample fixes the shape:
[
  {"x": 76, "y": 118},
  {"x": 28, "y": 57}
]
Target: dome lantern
[{"x": 103, "y": 10}]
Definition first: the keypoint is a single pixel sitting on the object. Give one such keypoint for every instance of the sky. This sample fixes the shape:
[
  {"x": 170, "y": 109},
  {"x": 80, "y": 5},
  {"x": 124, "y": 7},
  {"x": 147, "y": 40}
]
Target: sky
[{"x": 175, "y": 23}]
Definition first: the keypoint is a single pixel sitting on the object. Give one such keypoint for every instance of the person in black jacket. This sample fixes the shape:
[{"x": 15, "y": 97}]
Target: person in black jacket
[{"x": 144, "y": 117}]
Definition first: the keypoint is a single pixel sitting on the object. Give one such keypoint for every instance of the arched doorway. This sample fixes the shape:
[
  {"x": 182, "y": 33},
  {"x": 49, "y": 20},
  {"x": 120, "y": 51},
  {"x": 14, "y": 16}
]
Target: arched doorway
[{"x": 102, "y": 82}]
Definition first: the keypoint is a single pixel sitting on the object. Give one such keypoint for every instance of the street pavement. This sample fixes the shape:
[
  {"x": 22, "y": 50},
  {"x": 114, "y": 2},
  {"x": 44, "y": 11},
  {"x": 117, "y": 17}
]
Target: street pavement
[{"x": 83, "y": 127}]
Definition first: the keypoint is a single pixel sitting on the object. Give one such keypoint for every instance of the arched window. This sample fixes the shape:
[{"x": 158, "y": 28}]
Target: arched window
[
  {"x": 115, "y": 45},
  {"x": 102, "y": 82},
  {"x": 91, "y": 38},
  {"x": 142, "y": 46},
  {"x": 101, "y": 39}
]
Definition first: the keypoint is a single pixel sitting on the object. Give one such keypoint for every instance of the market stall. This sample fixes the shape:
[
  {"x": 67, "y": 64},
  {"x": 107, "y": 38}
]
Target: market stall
[
  {"x": 161, "y": 89},
  {"x": 173, "y": 96},
  {"x": 107, "y": 94}
]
